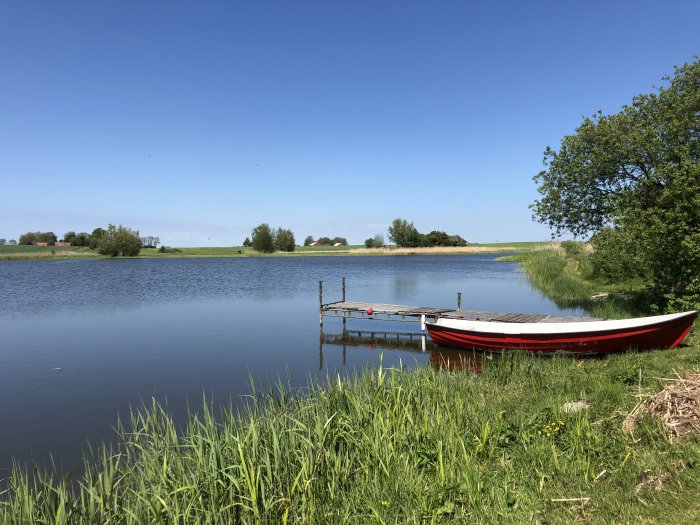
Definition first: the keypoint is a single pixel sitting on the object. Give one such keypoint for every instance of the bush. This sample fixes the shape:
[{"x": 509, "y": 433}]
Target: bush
[
  {"x": 119, "y": 240},
  {"x": 375, "y": 242},
  {"x": 614, "y": 258}
]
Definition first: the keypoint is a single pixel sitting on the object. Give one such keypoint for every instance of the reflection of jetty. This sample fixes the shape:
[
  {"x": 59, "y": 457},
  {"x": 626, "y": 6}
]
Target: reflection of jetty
[
  {"x": 406, "y": 342},
  {"x": 409, "y": 341}
]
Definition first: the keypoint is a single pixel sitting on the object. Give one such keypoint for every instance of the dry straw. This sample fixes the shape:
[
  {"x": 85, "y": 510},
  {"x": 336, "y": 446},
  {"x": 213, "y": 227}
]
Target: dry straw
[{"x": 677, "y": 406}]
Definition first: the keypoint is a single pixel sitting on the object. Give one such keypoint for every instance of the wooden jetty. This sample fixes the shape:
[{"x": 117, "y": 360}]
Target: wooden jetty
[{"x": 400, "y": 313}]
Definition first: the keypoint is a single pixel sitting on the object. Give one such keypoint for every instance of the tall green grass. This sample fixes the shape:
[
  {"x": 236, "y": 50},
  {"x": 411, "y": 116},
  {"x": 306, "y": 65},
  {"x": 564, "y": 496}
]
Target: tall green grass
[
  {"x": 393, "y": 446},
  {"x": 564, "y": 275}
]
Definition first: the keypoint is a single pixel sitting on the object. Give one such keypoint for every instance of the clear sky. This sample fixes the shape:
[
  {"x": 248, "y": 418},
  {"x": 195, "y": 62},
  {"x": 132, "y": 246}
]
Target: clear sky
[{"x": 196, "y": 121}]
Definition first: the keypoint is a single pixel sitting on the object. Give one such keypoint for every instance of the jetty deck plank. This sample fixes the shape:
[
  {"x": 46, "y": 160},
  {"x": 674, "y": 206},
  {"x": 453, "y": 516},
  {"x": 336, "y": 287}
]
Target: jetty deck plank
[{"x": 362, "y": 307}]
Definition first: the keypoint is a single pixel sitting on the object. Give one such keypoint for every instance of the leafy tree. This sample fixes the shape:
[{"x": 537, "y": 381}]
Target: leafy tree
[
  {"x": 637, "y": 172},
  {"x": 325, "y": 241},
  {"x": 70, "y": 237},
  {"x": 339, "y": 240},
  {"x": 81, "y": 239},
  {"x": 404, "y": 234},
  {"x": 95, "y": 238},
  {"x": 27, "y": 238},
  {"x": 247, "y": 243},
  {"x": 3, "y": 242},
  {"x": 12, "y": 242},
  {"x": 375, "y": 242},
  {"x": 119, "y": 240},
  {"x": 308, "y": 241},
  {"x": 284, "y": 240},
  {"x": 263, "y": 239},
  {"x": 77, "y": 239}
]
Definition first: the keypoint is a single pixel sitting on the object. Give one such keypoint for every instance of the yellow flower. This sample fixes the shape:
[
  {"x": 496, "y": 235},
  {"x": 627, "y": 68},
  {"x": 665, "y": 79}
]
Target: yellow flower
[{"x": 384, "y": 503}]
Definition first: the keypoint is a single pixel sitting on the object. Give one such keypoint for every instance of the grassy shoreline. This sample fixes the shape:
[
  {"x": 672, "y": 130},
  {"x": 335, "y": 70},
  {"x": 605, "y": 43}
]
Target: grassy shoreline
[
  {"x": 17, "y": 253},
  {"x": 403, "y": 446}
]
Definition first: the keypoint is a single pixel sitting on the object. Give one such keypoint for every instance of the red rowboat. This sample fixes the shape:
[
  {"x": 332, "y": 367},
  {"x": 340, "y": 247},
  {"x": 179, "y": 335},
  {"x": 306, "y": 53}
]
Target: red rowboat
[{"x": 578, "y": 336}]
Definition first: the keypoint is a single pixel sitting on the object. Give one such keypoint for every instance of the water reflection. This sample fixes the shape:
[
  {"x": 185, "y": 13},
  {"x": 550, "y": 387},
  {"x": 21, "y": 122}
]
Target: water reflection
[
  {"x": 468, "y": 361},
  {"x": 413, "y": 342}
]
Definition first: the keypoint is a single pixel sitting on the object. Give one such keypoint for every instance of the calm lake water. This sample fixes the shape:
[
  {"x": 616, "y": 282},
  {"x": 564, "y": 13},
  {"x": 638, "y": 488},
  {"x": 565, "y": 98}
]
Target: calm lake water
[{"x": 83, "y": 341}]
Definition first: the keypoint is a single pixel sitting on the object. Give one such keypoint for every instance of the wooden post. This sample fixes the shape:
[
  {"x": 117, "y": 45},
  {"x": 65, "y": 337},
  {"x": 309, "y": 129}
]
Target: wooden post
[
  {"x": 320, "y": 302},
  {"x": 459, "y": 300},
  {"x": 344, "y": 322},
  {"x": 422, "y": 322},
  {"x": 320, "y": 349}
]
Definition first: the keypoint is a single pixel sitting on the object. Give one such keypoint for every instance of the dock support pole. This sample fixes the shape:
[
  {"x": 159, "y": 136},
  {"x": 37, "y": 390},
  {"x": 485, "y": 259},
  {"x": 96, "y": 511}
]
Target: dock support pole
[
  {"x": 422, "y": 322},
  {"x": 320, "y": 302},
  {"x": 459, "y": 300},
  {"x": 344, "y": 320}
]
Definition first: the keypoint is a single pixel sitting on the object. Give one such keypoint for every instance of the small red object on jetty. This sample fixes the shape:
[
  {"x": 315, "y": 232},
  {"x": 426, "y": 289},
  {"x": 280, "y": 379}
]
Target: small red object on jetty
[{"x": 370, "y": 311}]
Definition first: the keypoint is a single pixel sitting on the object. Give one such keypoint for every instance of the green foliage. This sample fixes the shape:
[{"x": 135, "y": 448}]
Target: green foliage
[
  {"x": 284, "y": 240},
  {"x": 12, "y": 242},
  {"x": 263, "y": 238},
  {"x": 440, "y": 238},
  {"x": 309, "y": 240},
  {"x": 247, "y": 243},
  {"x": 375, "y": 242},
  {"x": 77, "y": 239},
  {"x": 615, "y": 259},
  {"x": 638, "y": 171},
  {"x": 119, "y": 241},
  {"x": 339, "y": 240},
  {"x": 34, "y": 237},
  {"x": 404, "y": 234},
  {"x": 166, "y": 249},
  {"x": 3, "y": 242},
  {"x": 95, "y": 238},
  {"x": 326, "y": 241}
]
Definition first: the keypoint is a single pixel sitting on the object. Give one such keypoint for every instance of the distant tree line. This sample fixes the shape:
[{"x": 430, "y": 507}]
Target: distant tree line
[
  {"x": 114, "y": 241},
  {"x": 265, "y": 239},
  {"x": 35, "y": 237},
  {"x": 326, "y": 241},
  {"x": 405, "y": 235},
  {"x": 11, "y": 242}
]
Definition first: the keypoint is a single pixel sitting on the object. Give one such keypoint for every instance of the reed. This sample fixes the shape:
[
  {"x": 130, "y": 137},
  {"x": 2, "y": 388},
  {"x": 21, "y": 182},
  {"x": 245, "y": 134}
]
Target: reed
[
  {"x": 392, "y": 446},
  {"x": 30, "y": 256},
  {"x": 565, "y": 277}
]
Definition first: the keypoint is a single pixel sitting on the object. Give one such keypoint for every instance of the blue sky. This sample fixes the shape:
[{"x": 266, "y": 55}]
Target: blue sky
[{"x": 196, "y": 121}]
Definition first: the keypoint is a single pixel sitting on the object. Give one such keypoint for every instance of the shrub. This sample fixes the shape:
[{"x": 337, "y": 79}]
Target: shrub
[{"x": 119, "y": 240}]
